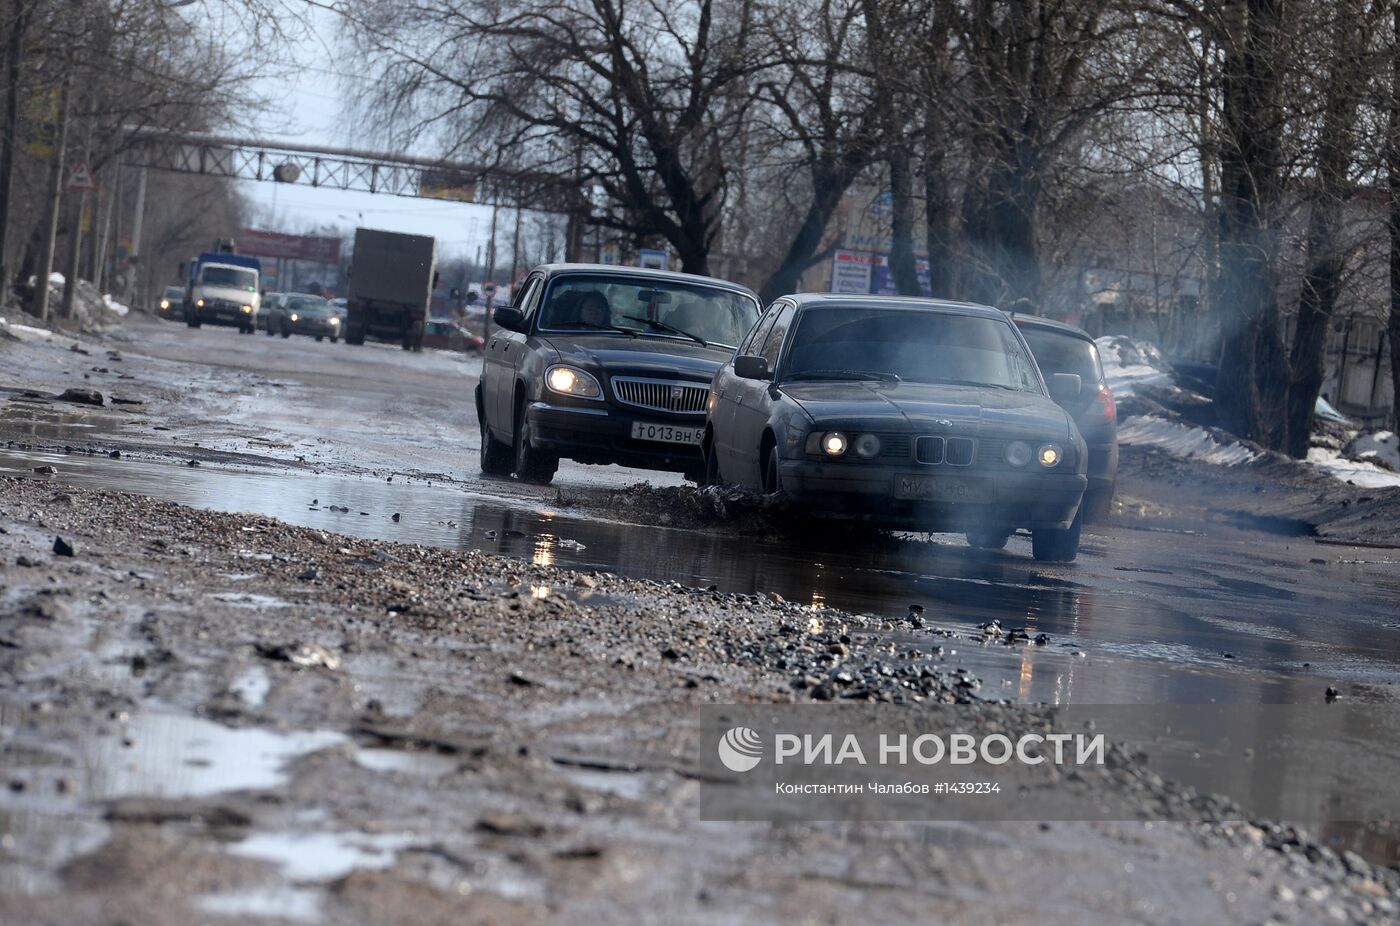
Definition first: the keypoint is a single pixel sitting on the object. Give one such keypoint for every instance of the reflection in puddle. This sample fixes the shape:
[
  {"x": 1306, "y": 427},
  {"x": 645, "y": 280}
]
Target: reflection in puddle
[
  {"x": 322, "y": 856},
  {"x": 299, "y": 904}
]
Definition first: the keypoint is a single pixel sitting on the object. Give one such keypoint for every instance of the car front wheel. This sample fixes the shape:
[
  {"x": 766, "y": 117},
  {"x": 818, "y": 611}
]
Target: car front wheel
[
  {"x": 1057, "y": 544},
  {"x": 495, "y": 455},
  {"x": 712, "y": 476},
  {"x": 532, "y": 464},
  {"x": 772, "y": 476}
]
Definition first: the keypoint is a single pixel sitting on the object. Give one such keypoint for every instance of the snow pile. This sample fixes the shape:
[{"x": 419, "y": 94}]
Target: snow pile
[
  {"x": 1128, "y": 363},
  {"x": 113, "y": 305},
  {"x": 1380, "y": 448},
  {"x": 1357, "y": 472},
  {"x": 1182, "y": 441}
]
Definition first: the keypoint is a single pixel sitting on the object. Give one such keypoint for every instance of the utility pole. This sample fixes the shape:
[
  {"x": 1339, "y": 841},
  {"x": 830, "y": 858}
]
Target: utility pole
[
  {"x": 515, "y": 247},
  {"x": 75, "y": 252},
  {"x": 133, "y": 265},
  {"x": 54, "y": 197}
]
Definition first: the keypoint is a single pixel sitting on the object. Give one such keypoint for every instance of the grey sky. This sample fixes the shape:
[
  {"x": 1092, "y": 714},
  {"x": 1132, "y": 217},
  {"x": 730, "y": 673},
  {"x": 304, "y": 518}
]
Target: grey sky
[{"x": 307, "y": 106}]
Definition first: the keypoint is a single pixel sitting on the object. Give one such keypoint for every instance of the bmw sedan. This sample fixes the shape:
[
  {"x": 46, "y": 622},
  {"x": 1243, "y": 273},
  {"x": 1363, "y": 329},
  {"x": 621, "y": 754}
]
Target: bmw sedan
[
  {"x": 605, "y": 364},
  {"x": 910, "y": 413}
]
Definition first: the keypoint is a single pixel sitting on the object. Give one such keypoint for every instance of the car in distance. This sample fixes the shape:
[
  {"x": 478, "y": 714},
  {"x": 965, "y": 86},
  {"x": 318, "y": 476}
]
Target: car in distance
[
  {"x": 171, "y": 299},
  {"x": 311, "y": 315},
  {"x": 605, "y": 364},
  {"x": 1063, "y": 348},
  {"x": 910, "y": 413}
]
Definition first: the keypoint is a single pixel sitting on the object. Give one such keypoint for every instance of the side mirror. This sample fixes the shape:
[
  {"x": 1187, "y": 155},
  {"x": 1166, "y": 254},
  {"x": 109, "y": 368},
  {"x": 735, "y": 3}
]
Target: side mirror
[
  {"x": 1065, "y": 386},
  {"x": 510, "y": 318},
  {"x": 750, "y": 366}
]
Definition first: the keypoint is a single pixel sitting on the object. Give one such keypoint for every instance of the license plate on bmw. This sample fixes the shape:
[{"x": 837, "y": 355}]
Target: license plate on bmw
[
  {"x": 666, "y": 433},
  {"x": 941, "y": 488}
]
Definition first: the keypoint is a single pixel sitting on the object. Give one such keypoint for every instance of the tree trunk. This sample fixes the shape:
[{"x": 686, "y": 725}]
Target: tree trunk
[
  {"x": 938, "y": 215},
  {"x": 828, "y": 186},
  {"x": 1326, "y": 260},
  {"x": 14, "y": 52},
  {"x": 1393, "y": 224},
  {"x": 1250, "y": 158}
]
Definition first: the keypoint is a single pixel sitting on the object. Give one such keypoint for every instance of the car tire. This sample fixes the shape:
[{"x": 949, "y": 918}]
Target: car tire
[
  {"x": 286, "y": 333},
  {"x": 1098, "y": 504},
  {"x": 318, "y": 339},
  {"x": 1057, "y": 544},
  {"x": 532, "y": 465},
  {"x": 711, "y": 473},
  {"x": 772, "y": 475},
  {"x": 334, "y": 339},
  {"x": 496, "y": 458},
  {"x": 269, "y": 331},
  {"x": 988, "y": 539}
]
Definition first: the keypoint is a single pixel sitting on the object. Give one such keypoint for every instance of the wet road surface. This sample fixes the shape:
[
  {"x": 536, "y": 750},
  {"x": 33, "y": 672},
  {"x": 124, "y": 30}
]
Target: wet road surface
[
  {"x": 344, "y": 439},
  {"x": 1143, "y": 616}
]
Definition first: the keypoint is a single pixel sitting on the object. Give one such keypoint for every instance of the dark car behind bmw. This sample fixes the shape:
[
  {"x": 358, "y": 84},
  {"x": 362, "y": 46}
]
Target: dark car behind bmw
[
  {"x": 605, "y": 364},
  {"x": 1063, "y": 348}
]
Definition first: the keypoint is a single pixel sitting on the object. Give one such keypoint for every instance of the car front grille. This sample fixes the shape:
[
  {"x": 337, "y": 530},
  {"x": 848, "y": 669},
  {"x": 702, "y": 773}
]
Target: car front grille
[
  {"x": 954, "y": 451},
  {"x": 661, "y": 395}
]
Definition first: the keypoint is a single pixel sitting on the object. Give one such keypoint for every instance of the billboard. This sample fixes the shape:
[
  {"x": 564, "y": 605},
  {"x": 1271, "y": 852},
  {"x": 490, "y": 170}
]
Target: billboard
[
  {"x": 850, "y": 271},
  {"x": 446, "y": 184},
  {"x": 291, "y": 247}
]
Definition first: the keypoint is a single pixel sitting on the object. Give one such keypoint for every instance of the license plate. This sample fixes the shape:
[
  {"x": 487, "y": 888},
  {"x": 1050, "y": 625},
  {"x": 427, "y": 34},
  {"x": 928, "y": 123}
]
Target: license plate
[
  {"x": 941, "y": 488},
  {"x": 666, "y": 433}
]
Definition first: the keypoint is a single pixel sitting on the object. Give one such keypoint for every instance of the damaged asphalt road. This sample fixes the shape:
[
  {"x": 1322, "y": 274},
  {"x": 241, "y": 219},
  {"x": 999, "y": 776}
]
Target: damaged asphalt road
[{"x": 397, "y": 692}]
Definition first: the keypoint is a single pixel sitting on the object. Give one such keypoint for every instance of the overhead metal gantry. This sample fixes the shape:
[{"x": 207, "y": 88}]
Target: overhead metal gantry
[{"x": 350, "y": 169}]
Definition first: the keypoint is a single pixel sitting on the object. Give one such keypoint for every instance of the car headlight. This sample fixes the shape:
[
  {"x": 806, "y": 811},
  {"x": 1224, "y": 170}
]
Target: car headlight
[
  {"x": 334, "y": 320},
  {"x": 1050, "y": 455},
  {"x": 1018, "y": 453},
  {"x": 247, "y": 310},
  {"x": 572, "y": 381},
  {"x": 294, "y": 316},
  {"x": 867, "y": 446},
  {"x": 199, "y": 303},
  {"x": 834, "y": 443},
  {"x": 165, "y": 303}
]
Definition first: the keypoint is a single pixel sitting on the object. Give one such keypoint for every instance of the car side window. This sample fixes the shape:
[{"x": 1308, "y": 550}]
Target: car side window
[
  {"x": 528, "y": 298},
  {"x": 773, "y": 342},
  {"x": 761, "y": 329}
]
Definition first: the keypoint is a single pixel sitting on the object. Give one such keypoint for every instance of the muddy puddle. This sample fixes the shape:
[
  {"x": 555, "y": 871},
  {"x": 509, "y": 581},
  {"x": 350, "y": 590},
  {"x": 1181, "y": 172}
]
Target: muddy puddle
[{"x": 1149, "y": 634}]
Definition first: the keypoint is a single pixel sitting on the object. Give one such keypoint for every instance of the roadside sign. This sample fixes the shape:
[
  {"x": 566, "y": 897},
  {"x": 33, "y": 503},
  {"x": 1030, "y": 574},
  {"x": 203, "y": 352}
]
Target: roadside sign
[
  {"x": 850, "y": 271},
  {"x": 81, "y": 178}
]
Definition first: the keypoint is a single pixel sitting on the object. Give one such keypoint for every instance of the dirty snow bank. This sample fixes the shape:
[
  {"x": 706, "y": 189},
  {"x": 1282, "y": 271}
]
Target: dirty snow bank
[
  {"x": 1182, "y": 441},
  {"x": 1128, "y": 363},
  {"x": 1367, "y": 459}
]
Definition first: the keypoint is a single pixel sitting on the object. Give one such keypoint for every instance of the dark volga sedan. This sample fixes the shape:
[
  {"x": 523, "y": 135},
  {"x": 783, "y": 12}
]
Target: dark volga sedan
[
  {"x": 605, "y": 364},
  {"x": 907, "y": 412}
]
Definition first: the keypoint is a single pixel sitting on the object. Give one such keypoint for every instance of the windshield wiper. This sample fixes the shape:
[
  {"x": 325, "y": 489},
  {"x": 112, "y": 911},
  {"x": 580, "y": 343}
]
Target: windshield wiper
[
  {"x": 592, "y": 327},
  {"x": 665, "y": 327},
  {"x": 845, "y": 374}
]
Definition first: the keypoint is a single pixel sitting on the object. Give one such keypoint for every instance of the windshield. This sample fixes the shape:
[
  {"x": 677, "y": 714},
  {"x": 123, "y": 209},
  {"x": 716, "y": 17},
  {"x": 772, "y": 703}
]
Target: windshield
[
  {"x": 309, "y": 305},
  {"x": 173, "y": 292},
  {"x": 653, "y": 308},
  {"x": 916, "y": 346},
  {"x": 230, "y": 276},
  {"x": 1063, "y": 353}
]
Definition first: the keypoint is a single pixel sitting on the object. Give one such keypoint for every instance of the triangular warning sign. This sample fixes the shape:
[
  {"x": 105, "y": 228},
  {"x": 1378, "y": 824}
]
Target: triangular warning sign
[{"x": 81, "y": 177}]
